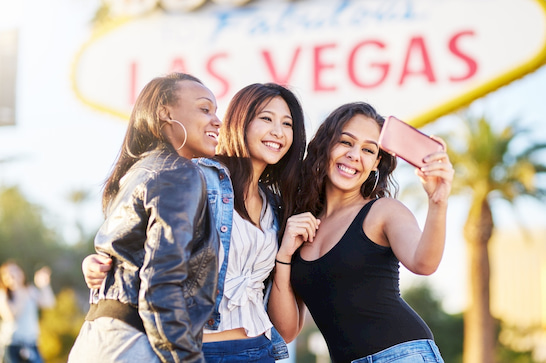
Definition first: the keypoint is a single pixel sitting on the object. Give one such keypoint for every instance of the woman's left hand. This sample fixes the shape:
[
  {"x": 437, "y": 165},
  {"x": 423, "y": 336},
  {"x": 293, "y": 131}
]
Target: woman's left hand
[{"x": 437, "y": 174}]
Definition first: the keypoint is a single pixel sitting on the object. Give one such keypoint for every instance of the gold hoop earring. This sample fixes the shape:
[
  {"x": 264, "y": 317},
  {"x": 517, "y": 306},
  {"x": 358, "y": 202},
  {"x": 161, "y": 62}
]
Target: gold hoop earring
[{"x": 185, "y": 134}]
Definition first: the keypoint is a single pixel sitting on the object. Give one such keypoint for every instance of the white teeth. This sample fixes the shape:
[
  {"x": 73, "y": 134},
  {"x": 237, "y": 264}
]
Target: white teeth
[
  {"x": 346, "y": 169},
  {"x": 212, "y": 134},
  {"x": 272, "y": 145}
]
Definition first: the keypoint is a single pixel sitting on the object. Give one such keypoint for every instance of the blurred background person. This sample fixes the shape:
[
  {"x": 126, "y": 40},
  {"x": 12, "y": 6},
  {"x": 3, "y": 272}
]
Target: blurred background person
[{"x": 19, "y": 304}]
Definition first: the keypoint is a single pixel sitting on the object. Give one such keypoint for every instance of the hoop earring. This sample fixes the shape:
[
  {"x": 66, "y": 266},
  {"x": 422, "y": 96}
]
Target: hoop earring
[{"x": 185, "y": 134}]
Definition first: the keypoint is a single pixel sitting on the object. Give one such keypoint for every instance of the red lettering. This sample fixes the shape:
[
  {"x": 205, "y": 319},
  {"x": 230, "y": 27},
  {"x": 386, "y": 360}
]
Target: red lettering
[
  {"x": 320, "y": 67},
  {"x": 470, "y": 62},
  {"x": 223, "y": 82},
  {"x": 417, "y": 45},
  {"x": 178, "y": 65},
  {"x": 352, "y": 66},
  {"x": 284, "y": 80},
  {"x": 365, "y": 65}
]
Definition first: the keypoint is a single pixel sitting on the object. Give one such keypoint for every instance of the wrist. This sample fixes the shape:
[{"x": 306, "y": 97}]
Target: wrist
[{"x": 282, "y": 262}]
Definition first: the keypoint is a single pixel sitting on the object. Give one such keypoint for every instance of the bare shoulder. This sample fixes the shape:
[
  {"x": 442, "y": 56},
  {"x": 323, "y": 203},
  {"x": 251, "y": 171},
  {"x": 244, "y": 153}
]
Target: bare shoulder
[
  {"x": 387, "y": 206},
  {"x": 385, "y": 214},
  {"x": 388, "y": 210}
]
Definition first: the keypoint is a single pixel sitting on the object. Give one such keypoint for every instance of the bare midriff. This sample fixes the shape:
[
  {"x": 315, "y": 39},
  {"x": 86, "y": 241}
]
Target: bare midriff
[{"x": 233, "y": 334}]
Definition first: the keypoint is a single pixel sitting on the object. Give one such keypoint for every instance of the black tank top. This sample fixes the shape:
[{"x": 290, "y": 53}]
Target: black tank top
[{"x": 353, "y": 294}]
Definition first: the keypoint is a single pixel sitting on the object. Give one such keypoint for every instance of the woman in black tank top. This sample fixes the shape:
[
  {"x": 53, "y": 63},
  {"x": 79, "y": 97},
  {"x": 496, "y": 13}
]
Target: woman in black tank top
[{"x": 340, "y": 257}]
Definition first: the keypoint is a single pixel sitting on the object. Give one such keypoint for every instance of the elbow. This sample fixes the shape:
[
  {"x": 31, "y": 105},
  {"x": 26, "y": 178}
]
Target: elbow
[
  {"x": 288, "y": 332},
  {"x": 425, "y": 269},
  {"x": 425, "y": 266},
  {"x": 288, "y": 337}
]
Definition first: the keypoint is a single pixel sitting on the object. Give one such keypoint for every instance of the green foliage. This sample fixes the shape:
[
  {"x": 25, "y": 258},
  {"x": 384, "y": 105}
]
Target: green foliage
[
  {"x": 59, "y": 327},
  {"x": 505, "y": 355},
  {"x": 26, "y": 238}
]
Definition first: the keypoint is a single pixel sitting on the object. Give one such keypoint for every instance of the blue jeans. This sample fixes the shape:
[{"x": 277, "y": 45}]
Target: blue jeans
[
  {"x": 22, "y": 354},
  {"x": 257, "y": 349},
  {"x": 416, "y": 351}
]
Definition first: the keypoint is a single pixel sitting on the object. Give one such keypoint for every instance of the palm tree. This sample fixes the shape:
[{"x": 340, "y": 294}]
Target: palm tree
[{"x": 489, "y": 165}]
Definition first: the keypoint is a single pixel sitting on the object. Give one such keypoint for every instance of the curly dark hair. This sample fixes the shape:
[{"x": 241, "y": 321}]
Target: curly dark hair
[{"x": 315, "y": 166}]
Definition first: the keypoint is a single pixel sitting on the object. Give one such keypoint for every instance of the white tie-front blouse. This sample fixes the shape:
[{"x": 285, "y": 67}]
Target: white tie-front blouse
[{"x": 251, "y": 259}]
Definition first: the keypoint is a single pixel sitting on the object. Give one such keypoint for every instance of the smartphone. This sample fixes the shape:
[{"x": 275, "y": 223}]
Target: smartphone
[{"x": 405, "y": 141}]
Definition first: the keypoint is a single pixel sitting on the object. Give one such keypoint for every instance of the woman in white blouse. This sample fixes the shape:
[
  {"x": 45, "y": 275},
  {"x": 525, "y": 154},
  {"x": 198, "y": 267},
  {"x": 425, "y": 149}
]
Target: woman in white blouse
[{"x": 261, "y": 146}]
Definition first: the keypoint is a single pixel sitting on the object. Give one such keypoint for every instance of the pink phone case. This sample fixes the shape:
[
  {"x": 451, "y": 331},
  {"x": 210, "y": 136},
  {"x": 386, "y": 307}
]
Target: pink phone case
[{"x": 405, "y": 141}]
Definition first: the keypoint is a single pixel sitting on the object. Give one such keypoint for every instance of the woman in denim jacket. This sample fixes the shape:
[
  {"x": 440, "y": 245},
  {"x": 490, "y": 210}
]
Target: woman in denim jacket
[{"x": 261, "y": 148}]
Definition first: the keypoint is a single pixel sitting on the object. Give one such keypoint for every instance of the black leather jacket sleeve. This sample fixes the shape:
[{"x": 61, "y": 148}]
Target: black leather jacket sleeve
[{"x": 176, "y": 204}]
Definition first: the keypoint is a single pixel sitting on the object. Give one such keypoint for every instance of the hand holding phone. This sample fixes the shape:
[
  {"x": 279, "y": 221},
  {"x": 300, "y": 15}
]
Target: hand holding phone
[{"x": 405, "y": 141}]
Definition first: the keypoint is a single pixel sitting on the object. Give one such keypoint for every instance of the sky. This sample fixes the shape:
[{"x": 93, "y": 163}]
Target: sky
[{"x": 59, "y": 145}]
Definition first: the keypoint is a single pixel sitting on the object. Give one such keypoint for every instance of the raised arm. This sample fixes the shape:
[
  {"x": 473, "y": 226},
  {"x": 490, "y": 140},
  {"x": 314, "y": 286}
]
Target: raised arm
[{"x": 421, "y": 252}]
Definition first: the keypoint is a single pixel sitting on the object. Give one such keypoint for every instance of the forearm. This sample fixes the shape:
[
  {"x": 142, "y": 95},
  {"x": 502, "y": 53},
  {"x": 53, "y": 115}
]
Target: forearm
[
  {"x": 432, "y": 243},
  {"x": 284, "y": 311}
]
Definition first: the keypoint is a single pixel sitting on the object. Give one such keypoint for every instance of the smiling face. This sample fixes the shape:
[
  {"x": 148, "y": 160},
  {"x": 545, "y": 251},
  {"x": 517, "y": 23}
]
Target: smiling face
[
  {"x": 269, "y": 135},
  {"x": 196, "y": 110},
  {"x": 355, "y": 155}
]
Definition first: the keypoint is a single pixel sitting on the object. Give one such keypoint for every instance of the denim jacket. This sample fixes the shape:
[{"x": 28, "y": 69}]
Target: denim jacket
[{"x": 221, "y": 200}]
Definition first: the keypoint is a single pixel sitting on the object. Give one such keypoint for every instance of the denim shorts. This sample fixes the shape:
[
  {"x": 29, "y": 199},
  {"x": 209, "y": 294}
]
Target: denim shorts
[
  {"x": 259, "y": 349},
  {"x": 416, "y": 351}
]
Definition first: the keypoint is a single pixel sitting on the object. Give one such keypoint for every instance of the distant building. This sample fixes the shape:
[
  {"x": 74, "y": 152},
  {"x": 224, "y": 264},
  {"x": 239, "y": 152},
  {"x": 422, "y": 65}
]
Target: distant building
[
  {"x": 8, "y": 71},
  {"x": 518, "y": 289}
]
